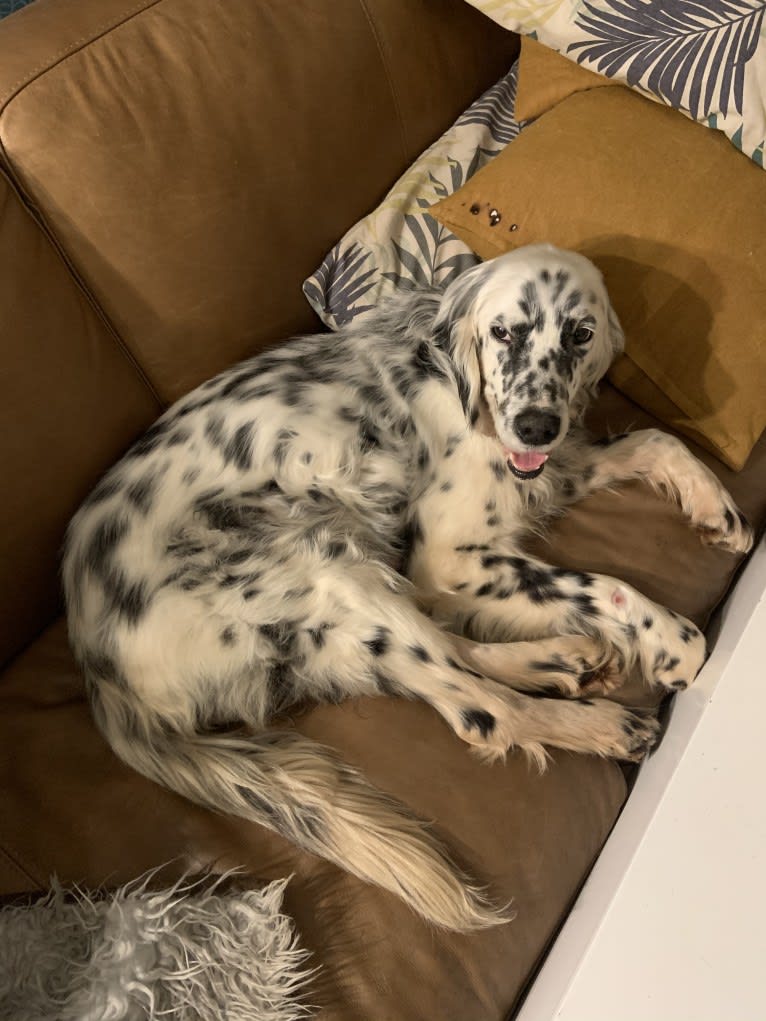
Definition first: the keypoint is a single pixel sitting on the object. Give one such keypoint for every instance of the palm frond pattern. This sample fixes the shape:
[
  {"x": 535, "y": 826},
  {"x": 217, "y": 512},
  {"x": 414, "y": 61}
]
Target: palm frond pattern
[{"x": 690, "y": 53}]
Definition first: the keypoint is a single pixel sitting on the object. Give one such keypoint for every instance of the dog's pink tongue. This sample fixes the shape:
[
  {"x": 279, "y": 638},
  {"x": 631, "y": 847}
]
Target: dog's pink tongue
[{"x": 528, "y": 461}]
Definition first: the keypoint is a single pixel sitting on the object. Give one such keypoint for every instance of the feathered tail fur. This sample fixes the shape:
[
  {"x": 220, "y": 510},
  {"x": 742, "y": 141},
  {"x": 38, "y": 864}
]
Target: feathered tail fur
[{"x": 301, "y": 790}]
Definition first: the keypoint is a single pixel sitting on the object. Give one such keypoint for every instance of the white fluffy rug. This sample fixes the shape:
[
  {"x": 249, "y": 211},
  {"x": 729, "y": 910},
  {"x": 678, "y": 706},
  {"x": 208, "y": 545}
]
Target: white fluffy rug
[{"x": 191, "y": 953}]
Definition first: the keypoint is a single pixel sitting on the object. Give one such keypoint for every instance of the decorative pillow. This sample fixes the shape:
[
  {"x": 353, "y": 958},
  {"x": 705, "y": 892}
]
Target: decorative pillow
[
  {"x": 545, "y": 78},
  {"x": 705, "y": 59},
  {"x": 400, "y": 245},
  {"x": 676, "y": 221}
]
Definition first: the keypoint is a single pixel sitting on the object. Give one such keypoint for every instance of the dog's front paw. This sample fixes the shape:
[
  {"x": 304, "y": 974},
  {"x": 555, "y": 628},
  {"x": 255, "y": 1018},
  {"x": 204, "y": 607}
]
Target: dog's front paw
[
  {"x": 641, "y": 731},
  {"x": 672, "y": 650},
  {"x": 575, "y": 666},
  {"x": 726, "y": 527},
  {"x": 616, "y": 732}
]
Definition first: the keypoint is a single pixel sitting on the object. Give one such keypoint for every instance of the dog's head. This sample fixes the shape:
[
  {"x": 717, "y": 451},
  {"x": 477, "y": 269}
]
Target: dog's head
[{"x": 531, "y": 332}]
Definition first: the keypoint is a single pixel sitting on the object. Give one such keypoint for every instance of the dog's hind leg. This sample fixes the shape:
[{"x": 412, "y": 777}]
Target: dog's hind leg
[
  {"x": 493, "y": 718},
  {"x": 572, "y": 666},
  {"x": 503, "y": 596},
  {"x": 390, "y": 647}
]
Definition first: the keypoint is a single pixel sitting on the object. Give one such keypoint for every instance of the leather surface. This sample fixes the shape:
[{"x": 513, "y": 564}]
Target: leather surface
[
  {"x": 192, "y": 170},
  {"x": 196, "y": 172},
  {"x": 636, "y": 535},
  {"x": 71, "y": 807},
  {"x": 188, "y": 170},
  {"x": 70, "y": 402}
]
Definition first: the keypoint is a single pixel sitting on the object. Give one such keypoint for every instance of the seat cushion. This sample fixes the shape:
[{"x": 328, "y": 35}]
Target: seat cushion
[
  {"x": 69, "y": 806},
  {"x": 72, "y": 808},
  {"x": 71, "y": 400},
  {"x": 196, "y": 160},
  {"x": 634, "y": 534}
]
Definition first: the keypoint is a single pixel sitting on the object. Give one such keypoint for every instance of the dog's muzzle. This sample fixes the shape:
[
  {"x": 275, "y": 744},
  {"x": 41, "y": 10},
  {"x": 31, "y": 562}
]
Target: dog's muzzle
[{"x": 535, "y": 428}]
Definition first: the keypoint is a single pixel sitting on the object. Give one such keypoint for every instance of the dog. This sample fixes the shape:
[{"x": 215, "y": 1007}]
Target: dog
[{"x": 345, "y": 515}]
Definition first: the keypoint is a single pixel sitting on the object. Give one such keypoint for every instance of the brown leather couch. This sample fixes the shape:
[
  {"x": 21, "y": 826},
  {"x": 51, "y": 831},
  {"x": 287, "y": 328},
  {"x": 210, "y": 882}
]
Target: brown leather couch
[{"x": 171, "y": 171}]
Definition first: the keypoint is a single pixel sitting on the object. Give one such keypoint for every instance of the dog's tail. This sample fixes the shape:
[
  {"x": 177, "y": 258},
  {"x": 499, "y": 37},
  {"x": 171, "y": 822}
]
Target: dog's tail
[{"x": 301, "y": 790}]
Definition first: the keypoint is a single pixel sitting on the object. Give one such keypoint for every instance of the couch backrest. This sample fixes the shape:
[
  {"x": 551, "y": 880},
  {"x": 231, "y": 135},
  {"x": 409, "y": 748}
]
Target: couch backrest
[{"x": 174, "y": 169}]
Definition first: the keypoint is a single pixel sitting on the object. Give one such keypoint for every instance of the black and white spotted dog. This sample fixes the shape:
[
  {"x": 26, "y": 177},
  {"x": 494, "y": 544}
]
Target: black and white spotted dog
[{"x": 344, "y": 516}]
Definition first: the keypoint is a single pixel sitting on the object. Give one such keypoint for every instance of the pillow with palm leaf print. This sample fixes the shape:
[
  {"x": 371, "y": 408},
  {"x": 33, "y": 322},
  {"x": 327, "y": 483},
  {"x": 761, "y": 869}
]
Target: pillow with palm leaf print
[
  {"x": 706, "y": 58},
  {"x": 400, "y": 244}
]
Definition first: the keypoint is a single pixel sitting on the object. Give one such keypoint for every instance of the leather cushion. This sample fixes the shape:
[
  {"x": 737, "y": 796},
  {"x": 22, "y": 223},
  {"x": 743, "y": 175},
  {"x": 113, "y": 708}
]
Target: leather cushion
[
  {"x": 71, "y": 400},
  {"x": 197, "y": 160},
  {"x": 189, "y": 162},
  {"x": 71, "y": 807}
]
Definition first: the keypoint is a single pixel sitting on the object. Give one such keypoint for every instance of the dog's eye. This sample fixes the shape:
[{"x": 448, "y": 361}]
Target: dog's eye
[
  {"x": 500, "y": 333},
  {"x": 582, "y": 334}
]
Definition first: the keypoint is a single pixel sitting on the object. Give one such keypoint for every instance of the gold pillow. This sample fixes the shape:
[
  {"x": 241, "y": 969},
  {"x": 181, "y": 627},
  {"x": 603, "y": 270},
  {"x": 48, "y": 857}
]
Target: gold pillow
[
  {"x": 545, "y": 78},
  {"x": 675, "y": 218}
]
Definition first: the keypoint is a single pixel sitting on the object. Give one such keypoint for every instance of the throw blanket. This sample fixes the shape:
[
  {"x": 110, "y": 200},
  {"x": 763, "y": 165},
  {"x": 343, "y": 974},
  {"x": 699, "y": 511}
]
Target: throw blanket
[{"x": 189, "y": 952}]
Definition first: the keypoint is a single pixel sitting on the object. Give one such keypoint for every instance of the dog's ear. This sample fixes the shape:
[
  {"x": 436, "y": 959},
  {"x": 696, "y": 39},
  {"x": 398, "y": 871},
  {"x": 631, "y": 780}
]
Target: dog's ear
[
  {"x": 455, "y": 331},
  {"x": 616, "y": 335}
]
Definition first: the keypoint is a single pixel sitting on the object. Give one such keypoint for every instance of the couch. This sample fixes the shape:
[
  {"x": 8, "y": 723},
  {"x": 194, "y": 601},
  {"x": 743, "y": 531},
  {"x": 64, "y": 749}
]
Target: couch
[{"x": 171, "y": 171}]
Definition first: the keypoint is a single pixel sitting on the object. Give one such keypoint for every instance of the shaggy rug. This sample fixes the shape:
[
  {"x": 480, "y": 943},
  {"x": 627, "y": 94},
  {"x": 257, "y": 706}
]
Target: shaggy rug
[{"x": 191, "y": 952}]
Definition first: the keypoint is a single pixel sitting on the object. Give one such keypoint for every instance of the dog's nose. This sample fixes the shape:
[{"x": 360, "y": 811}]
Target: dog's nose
[{"x": 537, "y": 428}]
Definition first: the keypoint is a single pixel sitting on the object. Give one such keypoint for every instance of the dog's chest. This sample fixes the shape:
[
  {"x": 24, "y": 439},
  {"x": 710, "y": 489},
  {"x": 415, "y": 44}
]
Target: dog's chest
[{"x": 472, "y": 492}]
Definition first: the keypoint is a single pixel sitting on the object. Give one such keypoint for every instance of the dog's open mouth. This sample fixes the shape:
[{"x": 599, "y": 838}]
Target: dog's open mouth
[{"x": 527, "y": 465}]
